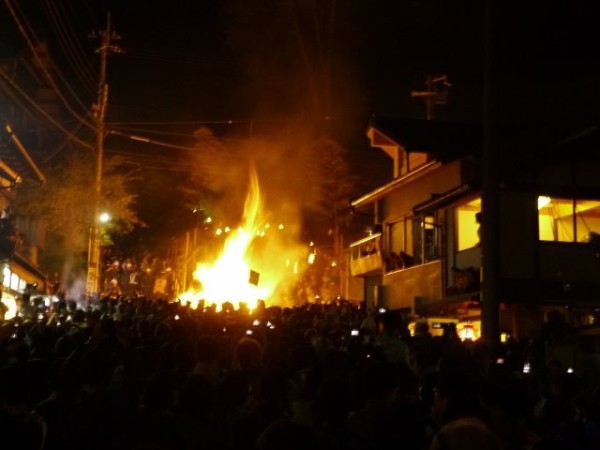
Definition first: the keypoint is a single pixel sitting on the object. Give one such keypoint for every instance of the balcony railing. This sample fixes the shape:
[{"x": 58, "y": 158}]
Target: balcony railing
[{"x": 365, "y": 256}]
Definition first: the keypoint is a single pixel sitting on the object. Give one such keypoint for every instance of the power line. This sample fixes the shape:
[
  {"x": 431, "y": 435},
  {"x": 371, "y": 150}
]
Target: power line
[
  {"x": 153, "y": 131},
  {"x": 210, "y": 122},
  {"x": 62, "y": 145},
  {"x": 147, "y": 140},
  {"x": 41, "y": 111},
  {"x": 80, "y": 65},
  {"x": 182, "y": 122},
  {"x": 152, "y": 55},
  {"x": 154, "y": 163},
  {"x": 43, "y": 68}
]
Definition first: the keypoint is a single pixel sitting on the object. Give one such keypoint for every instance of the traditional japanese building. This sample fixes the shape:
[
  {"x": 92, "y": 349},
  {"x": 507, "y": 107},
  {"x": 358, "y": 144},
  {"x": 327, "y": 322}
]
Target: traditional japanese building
[{"x": 425, "y": 256}]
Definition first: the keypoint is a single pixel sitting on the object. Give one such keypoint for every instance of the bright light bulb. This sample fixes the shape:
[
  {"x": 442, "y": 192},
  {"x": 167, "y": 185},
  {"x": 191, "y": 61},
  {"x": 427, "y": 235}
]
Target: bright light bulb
[{"x": 543, "y": 201}]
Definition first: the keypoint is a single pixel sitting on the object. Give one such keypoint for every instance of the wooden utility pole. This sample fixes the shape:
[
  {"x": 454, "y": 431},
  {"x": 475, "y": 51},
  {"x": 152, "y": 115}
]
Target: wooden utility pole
[
  {"x": 99, "y": 109},
  {"x": 490, "y": 201}
]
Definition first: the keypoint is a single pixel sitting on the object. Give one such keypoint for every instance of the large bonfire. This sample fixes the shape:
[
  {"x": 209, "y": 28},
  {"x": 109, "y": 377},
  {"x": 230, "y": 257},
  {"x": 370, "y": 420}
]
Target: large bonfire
[{"x": 245, "y": 271}]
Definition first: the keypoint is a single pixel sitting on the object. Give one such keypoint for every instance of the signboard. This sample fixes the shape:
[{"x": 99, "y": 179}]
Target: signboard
[{"x": 254, "y": 276}]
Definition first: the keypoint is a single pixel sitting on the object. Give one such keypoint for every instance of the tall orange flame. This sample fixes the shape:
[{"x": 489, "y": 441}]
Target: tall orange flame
[{"x": 227, "y": 279}]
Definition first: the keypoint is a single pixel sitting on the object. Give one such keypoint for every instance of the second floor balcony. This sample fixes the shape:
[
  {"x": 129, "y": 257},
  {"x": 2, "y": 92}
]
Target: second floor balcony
[{"x": 365, "y": 256}]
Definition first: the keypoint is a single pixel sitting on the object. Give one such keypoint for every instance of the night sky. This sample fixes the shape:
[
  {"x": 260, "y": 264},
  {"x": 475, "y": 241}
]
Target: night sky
[
  {"x": 193, "y": 61},
  {"x": 191, "y": 64}
]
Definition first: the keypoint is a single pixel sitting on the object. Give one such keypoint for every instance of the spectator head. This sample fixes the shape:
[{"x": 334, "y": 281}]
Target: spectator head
[
  {"x": 456, "y": 396},
  {"x": 379, "y": 380},
  {"x": 272, "y": 388},
  {"x": 232, "y": 391},
  {"x": 248, "y": 354},
  {"x": 450, "y": 331},
  {"x": 195, "y": 397},
  {"x": 158, "y": 393},
  {"x": 207, "y": 349},
  {"x": 184, "y": 356},
  {"x": 421, "y": 328},
  {"x": 14, "y": 384},
  {"x": 391, "y": 322},
  {"x": 332, "y": 403},
  {"x": 287, "y": 435},
  {"x": 465, "y": 434}
]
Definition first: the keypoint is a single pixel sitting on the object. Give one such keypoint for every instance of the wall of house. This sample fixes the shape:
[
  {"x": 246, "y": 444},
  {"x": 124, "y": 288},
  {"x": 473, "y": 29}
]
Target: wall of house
[
  {"x": 522, "y": 255},
  {"x": 354, "y": 288},
  {"x": 534, "y": 271},
  {"x": 518, "y": 234},
  {"x": 567, "y": 262},
  {"x": 34, "y": 235},
  {"x": 586, "y": 174},
  {"x": 522, "y": 321},
  {"x": 568, "y": 174},
  {"x": 403, "y": 286},
  {"x": 554, "y": 174},
  {"x": 372, "y": 291},
  {"x": 400, "y": 288},
  {"x": 400, "y": 202}
]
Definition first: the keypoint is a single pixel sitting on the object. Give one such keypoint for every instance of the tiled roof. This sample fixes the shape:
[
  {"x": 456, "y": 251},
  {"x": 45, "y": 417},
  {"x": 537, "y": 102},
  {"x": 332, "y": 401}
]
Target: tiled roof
[{"x": 443, "y": 139}]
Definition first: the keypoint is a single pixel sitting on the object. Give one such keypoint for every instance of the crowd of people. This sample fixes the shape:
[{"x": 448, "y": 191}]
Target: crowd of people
[
  {"x": 148, "y": 374},
  {"x": 150, "y": 277}
]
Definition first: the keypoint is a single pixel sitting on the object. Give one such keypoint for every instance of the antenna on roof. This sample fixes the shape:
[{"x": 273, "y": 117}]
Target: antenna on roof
[{"x": 435, "y": 93}]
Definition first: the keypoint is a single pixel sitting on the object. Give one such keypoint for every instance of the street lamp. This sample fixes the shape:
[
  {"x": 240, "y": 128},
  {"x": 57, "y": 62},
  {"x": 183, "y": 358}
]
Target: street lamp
[{"x": 104, "y": 217}]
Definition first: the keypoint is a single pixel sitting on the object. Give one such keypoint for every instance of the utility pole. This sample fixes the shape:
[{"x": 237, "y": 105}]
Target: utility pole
[
  {"x": 490, "y": 198},
  {"x": 435, "y": 93},
  {"x": 99, "y": 111}
]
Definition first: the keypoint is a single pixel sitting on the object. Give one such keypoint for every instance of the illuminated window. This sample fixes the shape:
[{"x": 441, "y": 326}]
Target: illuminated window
[
  {"x": 412, "y": 240},
  {"x": 14, "y": 281},
  {"x": 567, "y": 220},
  {"x": 397, "y": 236},
  {"x": 6, "y": 276},
  {"x": 426, "y": 239},
  {"x": 400, "y": 244},
  {"x": 467, "y": 225}
]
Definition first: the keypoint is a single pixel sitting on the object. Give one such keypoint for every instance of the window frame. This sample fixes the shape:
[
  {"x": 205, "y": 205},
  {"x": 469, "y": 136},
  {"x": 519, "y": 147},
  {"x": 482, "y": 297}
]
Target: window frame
[
  {"x": 575, "y": 216},
  {"x": 412, "y": 236},
  {"x": 456, "y": 222}
]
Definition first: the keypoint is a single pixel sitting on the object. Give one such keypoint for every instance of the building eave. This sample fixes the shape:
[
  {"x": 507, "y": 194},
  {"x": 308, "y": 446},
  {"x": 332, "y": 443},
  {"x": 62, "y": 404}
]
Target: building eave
[
  {"x": 32, "y": 167},
  {"x": 439, "y": 139},
  {"x": 382, "y": 191},
  {"x": 441, "y": 200},
  {"x": 26, "y": 265}
]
